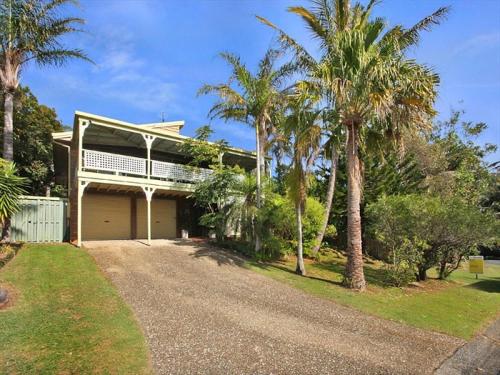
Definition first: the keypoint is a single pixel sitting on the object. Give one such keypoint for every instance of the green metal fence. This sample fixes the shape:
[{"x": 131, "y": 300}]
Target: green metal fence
[{"x": 40, "y": 219}]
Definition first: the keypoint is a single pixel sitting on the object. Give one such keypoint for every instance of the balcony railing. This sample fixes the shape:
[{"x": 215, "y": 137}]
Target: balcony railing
[{"x": 137, "y": 167}]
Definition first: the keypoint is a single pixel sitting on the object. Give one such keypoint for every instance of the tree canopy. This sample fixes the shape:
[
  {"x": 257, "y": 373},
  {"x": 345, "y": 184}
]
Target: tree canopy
[{"x": 33, "y": 154}]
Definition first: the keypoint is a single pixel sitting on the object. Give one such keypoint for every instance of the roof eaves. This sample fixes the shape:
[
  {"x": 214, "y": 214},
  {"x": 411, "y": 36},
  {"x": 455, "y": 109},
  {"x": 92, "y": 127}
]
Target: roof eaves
[{"x": 101, "y": 120}]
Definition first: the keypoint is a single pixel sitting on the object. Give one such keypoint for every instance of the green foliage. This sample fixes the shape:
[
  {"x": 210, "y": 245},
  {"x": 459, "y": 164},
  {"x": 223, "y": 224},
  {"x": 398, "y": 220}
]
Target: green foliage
[
  {"x": 277, "y": 221},
  {"x": 33, "y": 155},
  {"x": 330, "y": 232},
  {"x": 421, "y": 232},
  {"x": 400, "y": 270},
  {"x": 452, "y": 162},
  {"x": 246, "y": 97},
  {"x": 228, "y": 195},
  {"x": 491, "y": 198},
  {"x": 201, "y": 150},
  {"x": 216, "y": 195},
  {"x": 390, "y": 174},
  {"x": 11, "y": 188},
  {"x": 32, "y": 30},
  {"x": 244, "y": 208}
]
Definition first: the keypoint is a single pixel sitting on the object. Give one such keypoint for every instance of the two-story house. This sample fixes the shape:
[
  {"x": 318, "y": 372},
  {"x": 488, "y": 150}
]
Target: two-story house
[{"x": 130, "y": 181}]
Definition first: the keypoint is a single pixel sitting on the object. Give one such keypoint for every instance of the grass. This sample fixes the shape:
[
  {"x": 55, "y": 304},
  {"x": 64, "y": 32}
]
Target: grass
[
  {"x": 66, "y": 318},
  {"x": 460, "y": 306}
]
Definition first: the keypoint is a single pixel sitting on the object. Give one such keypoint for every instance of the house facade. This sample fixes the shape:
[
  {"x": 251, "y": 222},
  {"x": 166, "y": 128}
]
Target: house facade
[{"x": 130, "y": 181}]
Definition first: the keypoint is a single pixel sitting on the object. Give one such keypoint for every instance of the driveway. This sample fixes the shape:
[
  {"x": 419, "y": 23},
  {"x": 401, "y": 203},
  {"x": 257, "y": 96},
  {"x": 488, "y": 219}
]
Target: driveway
[{"x": 203, "y": 313}]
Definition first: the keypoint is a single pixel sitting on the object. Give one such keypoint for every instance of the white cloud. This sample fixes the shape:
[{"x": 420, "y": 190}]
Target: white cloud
[
  {"x": 478, "y": 43},
  {"x": 120, "y": 73}
]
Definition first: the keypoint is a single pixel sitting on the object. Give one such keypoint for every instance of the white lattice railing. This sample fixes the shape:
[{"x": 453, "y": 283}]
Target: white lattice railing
[
  {"x": 178, "y": 172},
  {"x": 122, "y": 164},
  {"x": 105, "y": 161}
]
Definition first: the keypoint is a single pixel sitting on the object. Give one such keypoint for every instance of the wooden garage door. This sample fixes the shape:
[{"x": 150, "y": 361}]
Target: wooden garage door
[
  {"x": 163, "y": 218},
  {"x": 105, "y": 217}
]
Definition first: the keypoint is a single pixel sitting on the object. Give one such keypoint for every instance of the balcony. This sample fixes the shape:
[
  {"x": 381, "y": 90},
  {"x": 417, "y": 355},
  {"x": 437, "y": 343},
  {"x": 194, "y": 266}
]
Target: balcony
[{"x": 122, "y": 165}]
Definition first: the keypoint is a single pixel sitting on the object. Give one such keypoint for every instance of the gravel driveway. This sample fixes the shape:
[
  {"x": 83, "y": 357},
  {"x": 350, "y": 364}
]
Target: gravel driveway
[{"x": 203, "y": 313}]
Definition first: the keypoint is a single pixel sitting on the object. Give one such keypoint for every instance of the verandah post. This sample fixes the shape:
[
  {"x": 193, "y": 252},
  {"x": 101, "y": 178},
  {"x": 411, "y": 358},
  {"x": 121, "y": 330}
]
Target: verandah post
[
  {"x": 149, "y": 139},
  {"x": 81, "y": 185},
  {"x": 149, "y": 191}
]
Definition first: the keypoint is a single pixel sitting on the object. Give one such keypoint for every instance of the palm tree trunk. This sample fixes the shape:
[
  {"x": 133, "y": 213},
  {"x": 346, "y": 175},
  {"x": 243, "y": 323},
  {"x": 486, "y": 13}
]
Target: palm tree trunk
[
  {"x": 8, "y": 147},
  {"x": 300, "y": 269},
  {"x": 8, "y": 129},
  {"x": 6, "y": 231},
  {"x": 354, "y": 276},
  {"x": 329, "y": 199},
  {"x": 258, "y": 188},
  {"x": 262, "y": 144}
]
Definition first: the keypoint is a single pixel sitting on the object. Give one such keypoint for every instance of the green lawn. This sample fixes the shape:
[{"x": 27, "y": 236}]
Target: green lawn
[
  {"x": 458, "y": 307},
  {"x": 66, "y": 318}
]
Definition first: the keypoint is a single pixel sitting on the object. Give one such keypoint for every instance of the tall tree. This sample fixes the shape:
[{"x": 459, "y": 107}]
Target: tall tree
[
  {"x": 33, "y": 152},
  {"x": 30, "y": 30},
  {"x": 376, "y": 90},
  {"x": 303, "y": 126},
  {"x": 251, "y": 99}
]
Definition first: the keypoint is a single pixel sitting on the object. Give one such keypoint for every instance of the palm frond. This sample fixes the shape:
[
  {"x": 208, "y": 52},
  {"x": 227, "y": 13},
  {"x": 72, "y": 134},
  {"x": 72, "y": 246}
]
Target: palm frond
[
  {"x": 318, "y": 31},
  {"x": 302, "y": 58},
  {"x": 411, "y": 36}
]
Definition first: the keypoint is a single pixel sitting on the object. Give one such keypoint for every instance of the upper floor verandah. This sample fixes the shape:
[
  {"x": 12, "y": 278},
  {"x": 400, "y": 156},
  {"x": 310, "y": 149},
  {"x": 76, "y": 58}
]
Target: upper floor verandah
[{"x": 113, "y": 149}]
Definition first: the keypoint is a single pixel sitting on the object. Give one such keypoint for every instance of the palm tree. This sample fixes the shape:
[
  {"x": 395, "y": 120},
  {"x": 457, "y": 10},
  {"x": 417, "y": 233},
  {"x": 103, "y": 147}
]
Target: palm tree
[
  {"x": 376, "y": 91},
  {"x": 30, "y": 30},
  {"x": 251, "y": 99},
  {"x": 244, "y": 209},
  {"x": 303, "y": 126}
]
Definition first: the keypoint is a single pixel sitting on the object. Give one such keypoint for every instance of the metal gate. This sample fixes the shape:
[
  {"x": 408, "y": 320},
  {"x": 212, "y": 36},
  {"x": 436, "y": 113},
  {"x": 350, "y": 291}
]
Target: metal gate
[{"x": 40, "y": 219}]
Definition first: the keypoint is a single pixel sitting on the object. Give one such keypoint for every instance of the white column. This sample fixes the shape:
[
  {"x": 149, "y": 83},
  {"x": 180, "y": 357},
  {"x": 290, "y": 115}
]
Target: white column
[
  {"x": 149, "y": 139},
  {"x": 84, "y": 124},
  {"x": 81, "y": 189},
  {"x": 221, "y": 154},
  {"x": 149, "y": 191}
]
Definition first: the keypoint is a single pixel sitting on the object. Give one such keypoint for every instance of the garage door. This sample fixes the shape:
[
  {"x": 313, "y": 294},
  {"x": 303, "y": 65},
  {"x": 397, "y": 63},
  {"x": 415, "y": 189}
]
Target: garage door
[
  {"x": 163, "y": 218},
  {"x": 105, "y": 217}
]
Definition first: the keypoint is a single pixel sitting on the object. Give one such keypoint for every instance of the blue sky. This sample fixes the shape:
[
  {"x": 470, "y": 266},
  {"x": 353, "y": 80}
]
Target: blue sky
[{"x": 152, "y": 56}]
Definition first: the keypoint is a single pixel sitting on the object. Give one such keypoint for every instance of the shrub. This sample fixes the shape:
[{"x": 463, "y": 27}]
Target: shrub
[
  {"x": 424, "y": 232},
  {"x": 277, "y": 223},
  {"x": 400, "y": 271},
  {"x": 7, "y": 252}
]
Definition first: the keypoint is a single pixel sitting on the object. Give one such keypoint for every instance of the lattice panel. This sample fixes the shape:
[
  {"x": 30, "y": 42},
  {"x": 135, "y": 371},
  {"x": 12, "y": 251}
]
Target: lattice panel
[
  {"x": 178, "y": 172},
  {"x": 105, "y": 161}
]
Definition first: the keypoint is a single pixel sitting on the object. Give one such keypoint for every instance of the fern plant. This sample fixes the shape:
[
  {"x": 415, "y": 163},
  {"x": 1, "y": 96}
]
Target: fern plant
[{"x": 11, "y": 189}]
